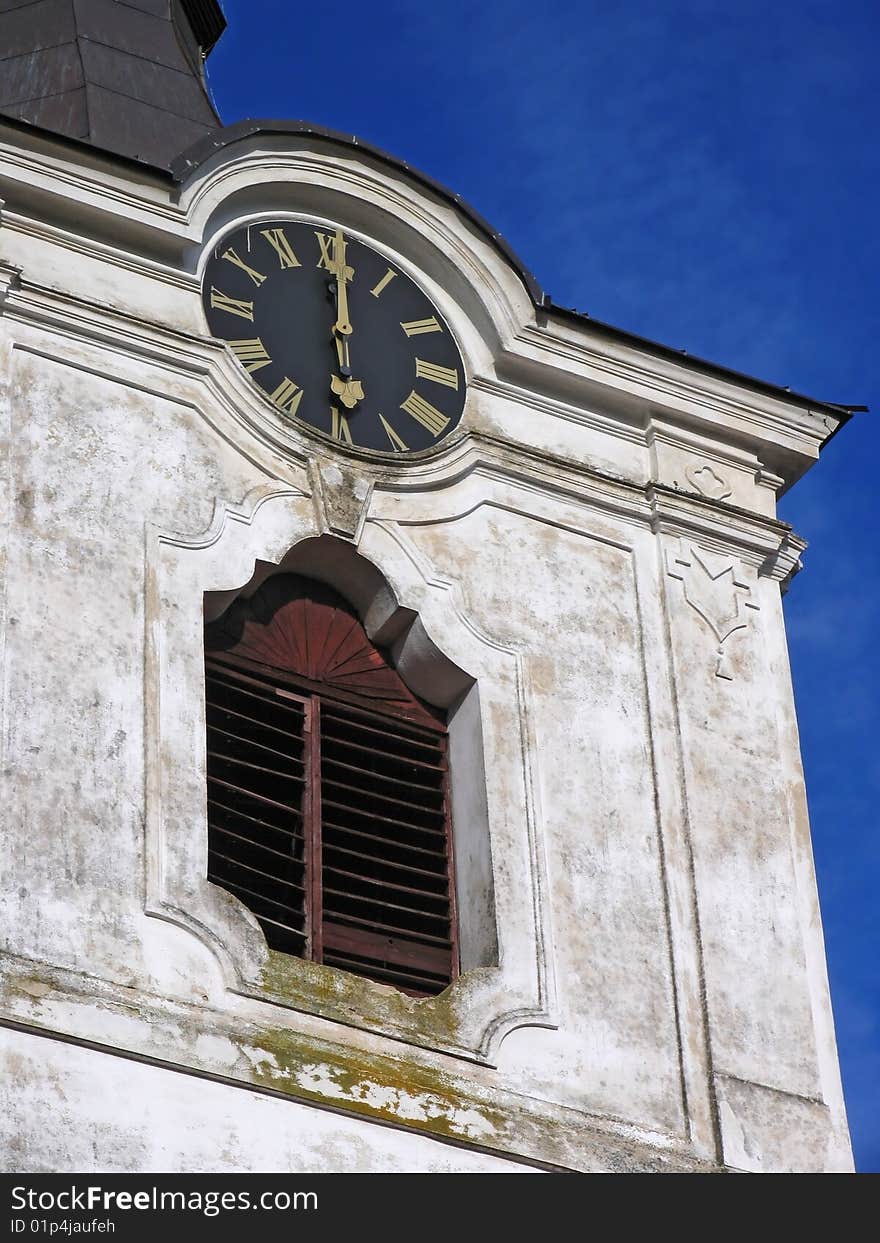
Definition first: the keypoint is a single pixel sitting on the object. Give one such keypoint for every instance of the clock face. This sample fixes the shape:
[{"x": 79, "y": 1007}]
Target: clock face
[{"x": 335, "y": 336}]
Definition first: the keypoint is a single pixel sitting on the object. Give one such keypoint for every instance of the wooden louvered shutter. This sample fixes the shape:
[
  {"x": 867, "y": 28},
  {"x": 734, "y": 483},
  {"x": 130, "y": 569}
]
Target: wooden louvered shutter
[
  {"x": 258, "y": 800},
  {"x": 388, "y": 908},
  {"x": 313, "y": 735}
]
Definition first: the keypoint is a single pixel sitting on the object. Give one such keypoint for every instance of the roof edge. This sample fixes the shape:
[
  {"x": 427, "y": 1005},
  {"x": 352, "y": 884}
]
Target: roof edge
[
  {"x": 86, "y": 148},
  {"x": 190, "y": 160}
]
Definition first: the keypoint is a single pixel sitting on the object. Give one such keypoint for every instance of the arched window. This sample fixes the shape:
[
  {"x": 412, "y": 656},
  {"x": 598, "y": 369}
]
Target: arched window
[{"x": 328, "y": 789}]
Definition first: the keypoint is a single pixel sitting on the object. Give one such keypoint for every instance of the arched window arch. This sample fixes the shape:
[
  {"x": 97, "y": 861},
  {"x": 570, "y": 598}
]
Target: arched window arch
[{"x": 328, "y": 789}]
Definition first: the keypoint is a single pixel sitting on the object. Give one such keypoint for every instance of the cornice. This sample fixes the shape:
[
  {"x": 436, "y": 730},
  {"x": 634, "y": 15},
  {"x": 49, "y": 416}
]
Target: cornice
[
  {"x": 316, "y": 1067},
  {"x": 95, "y": 185},
  {"x": 99, "y": 251},
  {"x": 549, "y": 353},
  {"x": 9, "y": 279},
  {"x": 473, "y": 452},
  {"x": 634, "y": 382},
  {"x": 582, "y": 414},
  {"x": 767, "y": 544}
]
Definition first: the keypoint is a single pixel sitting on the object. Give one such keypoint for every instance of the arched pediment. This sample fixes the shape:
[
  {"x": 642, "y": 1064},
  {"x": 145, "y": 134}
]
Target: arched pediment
[
  {"x": 259, "y": 169},
  {"x": 225, "y": 140}
]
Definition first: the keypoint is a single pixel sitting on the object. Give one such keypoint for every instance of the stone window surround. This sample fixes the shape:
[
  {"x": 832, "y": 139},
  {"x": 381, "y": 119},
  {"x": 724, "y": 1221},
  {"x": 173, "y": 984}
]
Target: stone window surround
[{"x": 506, "y": 974}]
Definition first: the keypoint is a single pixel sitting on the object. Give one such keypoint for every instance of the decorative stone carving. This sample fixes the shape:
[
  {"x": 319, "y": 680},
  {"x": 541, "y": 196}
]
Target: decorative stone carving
[
  {"x": 705, "y": 481},
  {"x": 341, "y": 497},
  {"x": 715, "y": 588}
]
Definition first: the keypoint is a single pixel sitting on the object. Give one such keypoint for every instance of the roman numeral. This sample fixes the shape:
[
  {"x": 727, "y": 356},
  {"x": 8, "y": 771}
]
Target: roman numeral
[
  {"x": 423, "y": 412},
  {"x": 416, "y": 327},
  {"x": 223, "y": 302},
  {"x": 231, "y": 257},
  {"x": 287, "y": 396},
  {"x": 326, "y": 259},
  {"x": 339, "y": 428},
  {"x": 396, "y": 442},
  {"x": 277, "y": 238},
  {"x": 380, "y": 285},
  {"x": 251, "y": 354},
  {"x": 440, "y": 375}
]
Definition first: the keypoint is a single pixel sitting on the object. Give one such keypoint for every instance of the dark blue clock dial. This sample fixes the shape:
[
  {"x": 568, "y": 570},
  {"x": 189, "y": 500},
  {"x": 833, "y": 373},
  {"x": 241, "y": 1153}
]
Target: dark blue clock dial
[{"x": 335, "y": 336}]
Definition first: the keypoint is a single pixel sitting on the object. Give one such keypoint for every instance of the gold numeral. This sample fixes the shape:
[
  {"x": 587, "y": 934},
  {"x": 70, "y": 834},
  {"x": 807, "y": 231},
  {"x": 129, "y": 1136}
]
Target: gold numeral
[
  {"x": 326, "y": 259},
  {"x": 277, "y": 238},
  {"x": 396, "y": 442},
  {"x": 223, "y": 302},
  {"x": 440, "y": 375},
  {"x": 416, "y": 327},
  {"x": 380, "y": 285},
  {"x": 339, "y": 428},
  {"x": 251, "y": 354},
  {"x": 231, "y": 257},
  {"x": 423, "y": 412},
  {"x": 287, "y": 396}
]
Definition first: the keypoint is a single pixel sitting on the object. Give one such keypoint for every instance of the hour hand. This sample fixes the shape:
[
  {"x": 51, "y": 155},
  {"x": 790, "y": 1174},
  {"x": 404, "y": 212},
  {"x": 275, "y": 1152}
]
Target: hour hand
[
  {"x": 342, "y": 354},
  {"x": 349, "y": 392}
]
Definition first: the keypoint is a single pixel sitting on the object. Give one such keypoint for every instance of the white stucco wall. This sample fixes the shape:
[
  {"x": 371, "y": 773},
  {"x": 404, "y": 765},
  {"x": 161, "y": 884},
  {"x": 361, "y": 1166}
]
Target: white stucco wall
[{"x": 596, "y": 549}]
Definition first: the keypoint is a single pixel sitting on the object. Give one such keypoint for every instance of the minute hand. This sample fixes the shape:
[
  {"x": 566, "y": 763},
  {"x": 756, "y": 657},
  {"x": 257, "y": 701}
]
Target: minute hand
[{"x": 343, "y": 275}]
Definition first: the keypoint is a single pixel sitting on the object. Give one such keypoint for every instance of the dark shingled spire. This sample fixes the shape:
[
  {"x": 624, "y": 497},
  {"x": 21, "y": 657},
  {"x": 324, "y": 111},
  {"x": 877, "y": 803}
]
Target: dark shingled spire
[{"x": 124, "y": 75}]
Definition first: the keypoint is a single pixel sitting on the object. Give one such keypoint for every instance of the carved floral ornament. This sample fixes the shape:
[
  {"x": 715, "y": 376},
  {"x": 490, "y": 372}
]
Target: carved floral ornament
[
  {"x": 715, "y": 588},
  {"x": 708, "y": 482}
]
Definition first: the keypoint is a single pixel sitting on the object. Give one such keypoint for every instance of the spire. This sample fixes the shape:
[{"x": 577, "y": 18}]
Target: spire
[{"x": 124, "y": 75}]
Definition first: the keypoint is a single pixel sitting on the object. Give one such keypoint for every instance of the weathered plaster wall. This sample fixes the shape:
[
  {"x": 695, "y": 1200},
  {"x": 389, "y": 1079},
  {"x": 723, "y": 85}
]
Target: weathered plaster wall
[
  {"x": 68, "y": 1119},
  {"x": 596, "y": 549}
]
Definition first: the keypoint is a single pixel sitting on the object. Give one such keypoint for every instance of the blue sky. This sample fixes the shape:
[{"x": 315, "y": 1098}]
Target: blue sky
[{"x": 706, "y": 175}]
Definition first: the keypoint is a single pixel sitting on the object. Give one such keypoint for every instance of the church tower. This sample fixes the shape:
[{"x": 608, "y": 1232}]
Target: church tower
[{"x": 400, "y": 768}]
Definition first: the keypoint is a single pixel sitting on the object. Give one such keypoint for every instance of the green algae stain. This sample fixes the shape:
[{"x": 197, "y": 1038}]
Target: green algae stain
[
  {"x": 337, "y": 995},
  {"x": 376, "y": 1087}
]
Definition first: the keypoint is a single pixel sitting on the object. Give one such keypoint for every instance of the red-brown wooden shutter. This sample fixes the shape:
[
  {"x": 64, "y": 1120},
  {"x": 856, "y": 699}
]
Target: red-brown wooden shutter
[
  {"x": 385, "y": 858},
  {"x": 358, "y": 762},
  {"x": 257, "y": 795}
]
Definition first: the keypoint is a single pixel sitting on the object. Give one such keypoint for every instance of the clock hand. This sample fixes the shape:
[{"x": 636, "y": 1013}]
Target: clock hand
[
  {"x": 349, "y": 391},
  {"x": 343, "y": 274},
  {"x": 342, "y": 354}
]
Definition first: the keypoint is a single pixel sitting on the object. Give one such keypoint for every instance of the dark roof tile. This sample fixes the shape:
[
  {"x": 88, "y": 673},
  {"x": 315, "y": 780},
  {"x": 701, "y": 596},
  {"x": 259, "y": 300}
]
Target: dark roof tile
[
  {"x": 65, "y": 114},
  {"x": 172, "y": 89},
  {"x": 125, "y": 75},
  {"x": 133, "y": 128},
  {"x": 37, "y": 26},
  {"x": 129, "y": 30},
  {"x": 51, "y": 71}
]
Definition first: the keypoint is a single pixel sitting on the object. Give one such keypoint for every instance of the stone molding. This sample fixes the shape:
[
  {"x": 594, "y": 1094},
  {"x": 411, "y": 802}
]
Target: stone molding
[
  {"x": 341, "y": 497},
  {"x": 317, "y": 1068},
  {"x": 132, "y": 351}
]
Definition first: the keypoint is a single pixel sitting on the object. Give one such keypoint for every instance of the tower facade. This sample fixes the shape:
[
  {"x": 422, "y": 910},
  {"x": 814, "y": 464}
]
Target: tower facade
[{"x": 400, "y": 763}]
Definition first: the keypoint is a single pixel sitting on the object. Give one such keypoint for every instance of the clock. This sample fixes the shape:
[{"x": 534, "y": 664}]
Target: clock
[{"x": 337, "y": 338}]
